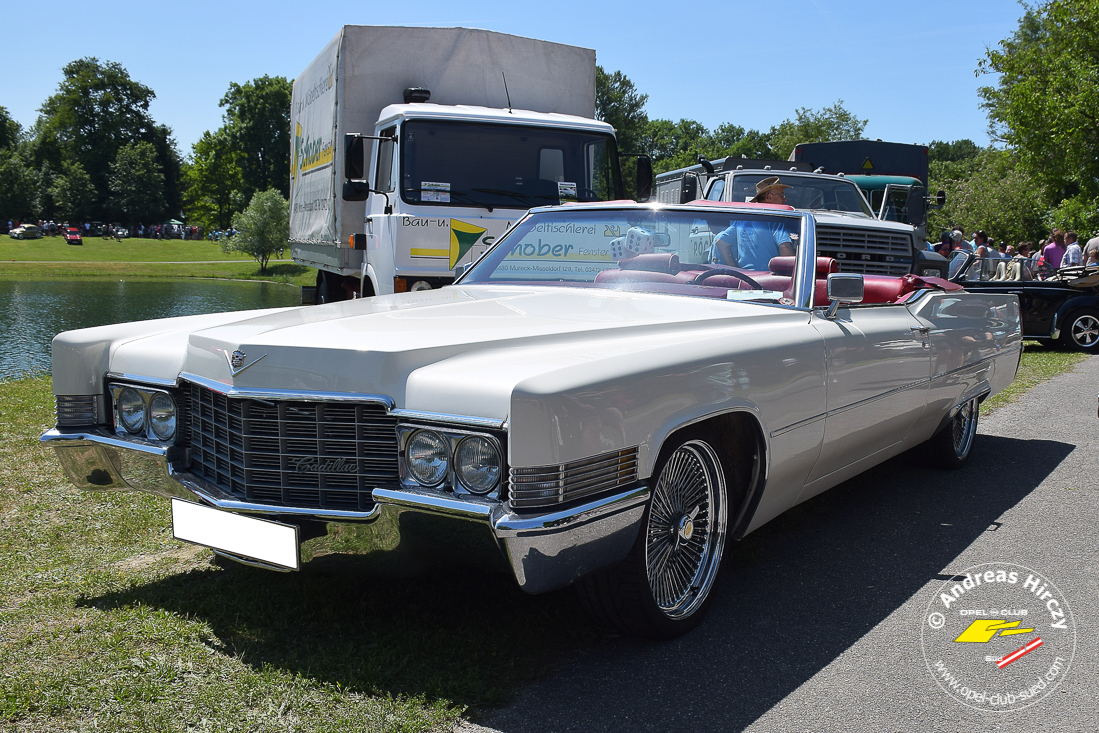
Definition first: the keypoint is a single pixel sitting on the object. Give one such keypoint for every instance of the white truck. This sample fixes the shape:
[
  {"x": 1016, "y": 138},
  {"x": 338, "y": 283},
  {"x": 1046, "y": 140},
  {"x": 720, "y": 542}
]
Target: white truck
[{"x": 413, "y": 149}]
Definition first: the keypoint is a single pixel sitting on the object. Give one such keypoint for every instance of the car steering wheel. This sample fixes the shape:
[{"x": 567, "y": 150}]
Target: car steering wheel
[{"x": 721, "y": 271}]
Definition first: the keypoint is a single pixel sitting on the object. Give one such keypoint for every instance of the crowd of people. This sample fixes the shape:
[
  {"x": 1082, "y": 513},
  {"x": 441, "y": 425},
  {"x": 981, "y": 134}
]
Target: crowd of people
[
  {"x": 1060, "y": 249},
  {"x": 115, "y": 231}
]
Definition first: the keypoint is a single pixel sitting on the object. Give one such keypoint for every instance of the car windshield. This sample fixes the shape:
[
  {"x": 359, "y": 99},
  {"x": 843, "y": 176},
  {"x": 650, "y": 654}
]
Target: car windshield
[
  {"x": 806, "y": 193},
  {"x": 719, "y": 254},
  {"x": 505, "y": 166}
]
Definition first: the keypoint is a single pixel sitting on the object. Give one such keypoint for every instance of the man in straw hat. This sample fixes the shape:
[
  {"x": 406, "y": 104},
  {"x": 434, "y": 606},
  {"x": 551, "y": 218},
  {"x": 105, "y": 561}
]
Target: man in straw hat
[{"x": 751, "y": 244}]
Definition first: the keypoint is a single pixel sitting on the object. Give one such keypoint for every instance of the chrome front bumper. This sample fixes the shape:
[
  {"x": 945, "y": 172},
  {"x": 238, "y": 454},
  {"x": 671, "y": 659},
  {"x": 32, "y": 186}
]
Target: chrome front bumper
[{"x": 405, "y": 531}]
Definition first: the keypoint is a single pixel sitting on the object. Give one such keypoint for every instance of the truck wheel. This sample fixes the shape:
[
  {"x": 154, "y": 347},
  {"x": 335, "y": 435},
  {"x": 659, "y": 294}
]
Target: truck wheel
[
  {"x": 662, "y": 588},
  {"x": 328, "y": 288},
  {"x": 950, "y": 447},
  {"x": 1081, "y": 330}
]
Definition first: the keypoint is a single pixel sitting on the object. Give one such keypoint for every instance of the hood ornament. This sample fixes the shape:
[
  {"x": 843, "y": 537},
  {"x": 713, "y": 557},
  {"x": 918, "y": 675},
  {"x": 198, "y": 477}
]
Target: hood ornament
[{"x": 237, "y": 361}]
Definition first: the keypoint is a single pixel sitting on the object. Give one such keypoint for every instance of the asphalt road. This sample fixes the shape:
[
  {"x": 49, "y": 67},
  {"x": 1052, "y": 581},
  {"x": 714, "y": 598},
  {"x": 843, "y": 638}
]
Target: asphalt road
[{"x": 817, "y": 616}]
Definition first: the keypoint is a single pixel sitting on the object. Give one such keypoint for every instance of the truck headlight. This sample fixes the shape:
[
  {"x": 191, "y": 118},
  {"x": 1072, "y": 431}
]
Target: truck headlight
[
  {"x": 131, "y": 410},
  {"x": 162, "y": 415},
  {"x": 477, "y": 464},
  {"x": 428, "y": 458}
]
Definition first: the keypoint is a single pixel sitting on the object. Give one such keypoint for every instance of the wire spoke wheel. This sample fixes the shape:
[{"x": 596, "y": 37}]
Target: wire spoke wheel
[
  {"x": 685, "y": 533},
  {"x": 963, "y": 427}
]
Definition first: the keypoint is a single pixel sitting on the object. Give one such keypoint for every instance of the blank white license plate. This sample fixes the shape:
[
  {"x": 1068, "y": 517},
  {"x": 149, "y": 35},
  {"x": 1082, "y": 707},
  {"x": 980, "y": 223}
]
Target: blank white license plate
[{"x": 236, "y": 534}]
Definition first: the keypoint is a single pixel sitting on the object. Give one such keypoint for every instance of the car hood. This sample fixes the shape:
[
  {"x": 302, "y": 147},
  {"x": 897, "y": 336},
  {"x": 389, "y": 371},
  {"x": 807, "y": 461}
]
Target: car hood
[{"x": 460, "y": 350}]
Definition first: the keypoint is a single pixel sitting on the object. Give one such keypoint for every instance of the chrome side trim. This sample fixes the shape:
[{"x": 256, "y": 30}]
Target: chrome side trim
[
  {"x": 437, "y": 502},
  {"x": 284, "y": 394},
  {"x": 139, "y": 380},
  {"x": 508, "y": 524},
  {"x": 798, "y": 424},
  {"x": 875, "y": 398},
  {"x": 438, "y": 417},
  {"x": 1011, "y": 350},
  {"x": 97, "y": 436}
]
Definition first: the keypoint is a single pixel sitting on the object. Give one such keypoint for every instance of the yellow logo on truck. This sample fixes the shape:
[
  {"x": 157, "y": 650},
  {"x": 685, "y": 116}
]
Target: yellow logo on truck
[{"x": 462, "y": 237}]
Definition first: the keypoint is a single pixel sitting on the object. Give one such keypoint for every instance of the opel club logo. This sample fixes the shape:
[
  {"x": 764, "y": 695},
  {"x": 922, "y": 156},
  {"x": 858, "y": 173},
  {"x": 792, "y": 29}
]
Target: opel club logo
[{"x": 998, "y": 637}]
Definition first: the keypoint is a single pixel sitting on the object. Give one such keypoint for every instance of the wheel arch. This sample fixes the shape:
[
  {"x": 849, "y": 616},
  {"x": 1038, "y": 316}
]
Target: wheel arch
[
  {"x": 1072, "y": 305},
  {"x": 745, "y": 455}
]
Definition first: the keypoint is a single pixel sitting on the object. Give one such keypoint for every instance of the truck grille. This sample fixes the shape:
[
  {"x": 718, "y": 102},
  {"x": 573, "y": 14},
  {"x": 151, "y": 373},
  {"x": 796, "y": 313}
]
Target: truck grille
[
  {"x": 318, "y": 455},
  {"x": 866, "y": 251},
  {"x": 546, "y": 486}
]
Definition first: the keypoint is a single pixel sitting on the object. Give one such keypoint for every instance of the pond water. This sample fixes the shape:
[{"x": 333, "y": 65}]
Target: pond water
[{"x": 33, "y": 312}]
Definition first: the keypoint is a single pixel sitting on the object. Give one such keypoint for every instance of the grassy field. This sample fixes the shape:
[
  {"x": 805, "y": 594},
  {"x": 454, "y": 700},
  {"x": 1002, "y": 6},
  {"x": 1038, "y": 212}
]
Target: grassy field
[
  {"x": 136, "y": 258},
  {"x": 108, "y": 624}
]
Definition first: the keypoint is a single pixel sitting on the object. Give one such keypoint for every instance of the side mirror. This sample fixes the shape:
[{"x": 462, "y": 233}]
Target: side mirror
[
  {"x": 354, "y": 158},
  {"x": 356, "y": 190},
  {"x": 644, "y": 183},
  {"x": 844, "y": 288},
  {"x": 940, "y": 199},
  {"x": 688, "y": 188}
]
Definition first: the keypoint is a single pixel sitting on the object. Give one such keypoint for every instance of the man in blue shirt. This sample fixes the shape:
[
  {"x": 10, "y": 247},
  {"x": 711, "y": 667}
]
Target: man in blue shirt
[{"x": 751, "y": 244}]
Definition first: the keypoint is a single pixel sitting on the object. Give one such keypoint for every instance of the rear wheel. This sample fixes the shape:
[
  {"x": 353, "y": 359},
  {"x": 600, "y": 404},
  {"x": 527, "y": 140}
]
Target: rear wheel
[
  {"x": 662, "y": 588},
  {"x": 950, "y": 447},
  {"x": 1081, "y": 330}
]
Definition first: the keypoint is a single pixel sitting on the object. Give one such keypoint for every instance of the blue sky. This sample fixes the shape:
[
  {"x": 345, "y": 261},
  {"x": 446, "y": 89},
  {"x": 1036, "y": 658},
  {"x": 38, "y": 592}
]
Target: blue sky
[{"x": 907, "y": 68}]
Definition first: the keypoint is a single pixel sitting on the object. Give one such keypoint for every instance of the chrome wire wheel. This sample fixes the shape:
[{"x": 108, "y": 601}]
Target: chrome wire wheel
[
  {"x": 1085, "y": 331},
  {"x": 685, "y": 533},
  {"x": 964, "y": 427}
]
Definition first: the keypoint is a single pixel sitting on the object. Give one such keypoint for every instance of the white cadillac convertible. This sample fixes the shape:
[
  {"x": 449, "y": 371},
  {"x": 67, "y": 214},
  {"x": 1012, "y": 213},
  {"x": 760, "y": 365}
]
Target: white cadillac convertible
[{"x": 594, "y": 402}]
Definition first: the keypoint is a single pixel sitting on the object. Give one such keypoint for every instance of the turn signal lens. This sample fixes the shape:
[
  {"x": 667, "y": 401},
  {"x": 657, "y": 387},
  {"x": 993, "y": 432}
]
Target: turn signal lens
[
  {"x": 131, "y": 410},
  {"x": 162, "y": 416},
  {"x": 477, "y": 464},
  {"x": 427, "y": 457}
]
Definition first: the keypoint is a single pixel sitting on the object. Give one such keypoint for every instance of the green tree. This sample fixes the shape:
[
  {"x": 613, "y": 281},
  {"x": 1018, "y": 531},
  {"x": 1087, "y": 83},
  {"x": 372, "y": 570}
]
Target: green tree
[
  {"x": 999, "y": 196},
  {"x": 137, "y": 183},
  {"x": 212, "y": 181},
  {"x": 263, "y": 227},
  {"x": 10, "y": 130},
  {"x": 1044, "y": 104},
  {"x": 18, "y": 200},
  {"x": 73, "y": 193},
  {"x": 96, "y": 110},
  {"x": 811, "y": 126},
  {"x": 939, "y": 151},
  {"x": 257, "y": 120},
  {"x": 618, "y": 103}
]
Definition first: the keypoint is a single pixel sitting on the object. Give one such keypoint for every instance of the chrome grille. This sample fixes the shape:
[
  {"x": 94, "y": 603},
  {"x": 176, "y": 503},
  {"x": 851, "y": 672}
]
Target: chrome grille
[
  {"x": 321, "y": 455},
  {"x": 866, "y": 251},
  {"x": 542, "y": 486},
  {"x": 77, "y": 410}
]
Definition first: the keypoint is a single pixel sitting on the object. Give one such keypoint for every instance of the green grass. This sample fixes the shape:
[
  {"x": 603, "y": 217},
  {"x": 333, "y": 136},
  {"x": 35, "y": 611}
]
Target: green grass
[
  {"x": 106, "y": 622},
  {"x": 138, "y": 258}
]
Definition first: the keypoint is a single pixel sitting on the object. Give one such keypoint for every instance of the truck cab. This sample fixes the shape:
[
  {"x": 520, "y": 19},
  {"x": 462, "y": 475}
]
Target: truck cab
[{"x": 849, "y": 230}]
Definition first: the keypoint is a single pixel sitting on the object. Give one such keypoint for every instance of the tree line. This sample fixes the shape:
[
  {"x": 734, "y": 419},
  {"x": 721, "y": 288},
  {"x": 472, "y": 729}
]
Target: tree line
[{"x": 95, "y": 153}]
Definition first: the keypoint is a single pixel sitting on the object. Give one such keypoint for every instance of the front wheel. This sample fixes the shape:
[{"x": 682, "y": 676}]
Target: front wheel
[
  {"x": 1081, "y": 330},
  {"x": 950, "y": 447},
  {"x": 662, "y": 588}
]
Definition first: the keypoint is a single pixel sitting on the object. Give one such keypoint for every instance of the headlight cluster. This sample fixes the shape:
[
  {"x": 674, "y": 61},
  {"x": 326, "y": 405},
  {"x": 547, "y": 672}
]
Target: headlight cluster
[
  {"x": 432, "y": 457},
  {"x": 145, "y": 412}
]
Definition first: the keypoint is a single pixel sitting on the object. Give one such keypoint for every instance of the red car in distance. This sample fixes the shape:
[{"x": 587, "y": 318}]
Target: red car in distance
[{"x": 72, "y": 236}]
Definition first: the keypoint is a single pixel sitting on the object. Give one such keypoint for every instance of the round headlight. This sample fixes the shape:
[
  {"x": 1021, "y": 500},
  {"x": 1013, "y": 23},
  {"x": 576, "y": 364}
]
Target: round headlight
[
  {"x": 477, "y": 464},
  {"x": 427, "y": 457},
  {"x": 131, "y": 410},
  {"x": 162, "y": 416}
]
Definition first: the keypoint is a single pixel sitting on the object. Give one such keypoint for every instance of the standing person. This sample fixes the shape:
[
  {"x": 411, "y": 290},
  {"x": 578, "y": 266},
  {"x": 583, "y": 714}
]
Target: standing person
[
  {"x": 1073, "y": 254},
  {"x": 1054, "y": 252},
  {"x": 1091, "y": 246},
  {"x": 752, "y": 244}
]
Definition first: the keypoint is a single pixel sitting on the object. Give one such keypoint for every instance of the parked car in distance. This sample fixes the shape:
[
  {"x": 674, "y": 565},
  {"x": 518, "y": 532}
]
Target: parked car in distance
[
  {"x": 72, "y": 236},
  {"x": 1062, "y": 308},
  {"x": 593, "y": 403},
  {"x": 26, "y": 231}
]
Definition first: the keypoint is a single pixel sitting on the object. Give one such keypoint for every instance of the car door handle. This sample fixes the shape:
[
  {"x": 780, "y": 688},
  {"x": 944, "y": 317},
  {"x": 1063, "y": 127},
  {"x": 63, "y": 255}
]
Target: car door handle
[{"x": 922, "y": 330}]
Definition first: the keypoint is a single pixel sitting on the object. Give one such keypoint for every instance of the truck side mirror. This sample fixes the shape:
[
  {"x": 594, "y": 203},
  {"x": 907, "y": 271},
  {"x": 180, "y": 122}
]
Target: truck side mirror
[
  {"x": 940, "y": 199},
  {"x": 354, "y": 157},
  {"x": 644, "y": 183}
]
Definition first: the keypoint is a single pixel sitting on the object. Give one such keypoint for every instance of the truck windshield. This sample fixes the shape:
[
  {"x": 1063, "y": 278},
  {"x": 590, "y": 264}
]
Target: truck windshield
[
  {"x": 505, "y": 166},
  {"x": 805, "y": 192}
]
